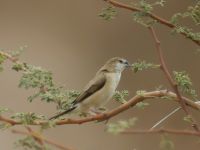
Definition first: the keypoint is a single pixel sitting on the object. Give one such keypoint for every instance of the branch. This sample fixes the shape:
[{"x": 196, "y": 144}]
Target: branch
[
  {"x": 153, "y": 16},
  {"x": 160, "y": 131},
  {"x": 107, "y": 115},
  {"x": 40, "y": 139},
  {"x": 170, "y": 79}
]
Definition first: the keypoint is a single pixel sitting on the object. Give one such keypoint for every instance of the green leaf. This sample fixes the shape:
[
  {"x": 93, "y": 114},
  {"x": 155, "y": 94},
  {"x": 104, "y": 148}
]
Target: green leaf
[
  {"x": 160, "y": 2},
  {"x": 142, "y": 105},
  {"x": 166, "y": 143},
  {"x": 146, "y": 7},
  {"x": 2, "y": 59},
  {"x": 19, "y": 51},
  {"x": 141, "y": 65},
  {"x": 17, "y": 67},
  {"x": 192, "y": 12},
  {"x": 27, "y": 118},
  {"x": 49, "y": 124},
  {"x": 4, "y": 126},
  {"x": 184, "y": 82},
  {"x": 29, "y": 143},
  {"x": 120, "y": 96},
  {"x": 35, "y": 77},
  {"x": 188, "y": 119},
  {"x": 187, "y": 31},
  {"x": 120, "y": 126},
  {"x": 140, "y": 93},
  {"x": 3, "y": 110},
  {"x": 108, "y": 13}
]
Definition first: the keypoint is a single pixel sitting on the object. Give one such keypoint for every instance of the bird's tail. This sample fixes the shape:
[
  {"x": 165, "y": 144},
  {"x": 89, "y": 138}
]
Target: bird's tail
[{"x": 62, "y": 113}]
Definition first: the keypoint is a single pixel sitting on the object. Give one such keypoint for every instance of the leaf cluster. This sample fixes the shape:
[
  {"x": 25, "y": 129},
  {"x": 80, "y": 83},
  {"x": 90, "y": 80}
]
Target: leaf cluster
[
  {"x": 27, "y": 118},
  {"x": 142, "y": 65},
  {"x": 185, "y": 84},
  {"x": 2, "y": 59},
  {"x": 120, "y": 96},
  {"x": 192, "y": 12},
  {"x": 120, "y": 126},
  {"x": 142, "y": 17},
  {"x": 166, "y": 143},
  {"x": 108, "y": 13},
  {"x": 29, "y": 143},
  {"x": 35, "y": 77}
]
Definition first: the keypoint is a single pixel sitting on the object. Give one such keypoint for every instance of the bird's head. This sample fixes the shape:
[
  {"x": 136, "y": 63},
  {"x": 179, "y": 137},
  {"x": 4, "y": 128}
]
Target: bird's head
[{"x": 116, "y": 64}]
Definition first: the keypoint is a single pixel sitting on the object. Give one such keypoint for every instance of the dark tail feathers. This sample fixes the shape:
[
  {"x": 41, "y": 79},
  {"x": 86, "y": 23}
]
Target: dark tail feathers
[{"x": 62, "y": 113}]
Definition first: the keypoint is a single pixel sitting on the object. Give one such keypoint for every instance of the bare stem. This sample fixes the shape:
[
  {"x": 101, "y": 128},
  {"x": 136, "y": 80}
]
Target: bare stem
[
  {"x": 170, "y": 79},
  {"x": 101, "y": 117}
]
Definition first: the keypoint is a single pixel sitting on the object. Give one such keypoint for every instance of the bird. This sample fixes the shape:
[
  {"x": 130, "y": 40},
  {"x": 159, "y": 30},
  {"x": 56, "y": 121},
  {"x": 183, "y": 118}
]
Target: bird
[{"x": 100, "y": 89}]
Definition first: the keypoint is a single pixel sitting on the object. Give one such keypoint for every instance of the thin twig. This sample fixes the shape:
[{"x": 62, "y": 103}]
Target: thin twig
[
  {"x": 165, "y": 118},
  {"x": 170, "y": 79},
  {"x": 41, "y": 139},
  {"x": 153, "y": 16},
  {"x": 160, "y": 131}
]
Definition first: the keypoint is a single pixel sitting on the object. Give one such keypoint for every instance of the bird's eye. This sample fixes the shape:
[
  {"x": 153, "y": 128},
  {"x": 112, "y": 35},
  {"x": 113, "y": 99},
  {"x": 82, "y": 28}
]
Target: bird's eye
[{"x": 121, "y": 61}]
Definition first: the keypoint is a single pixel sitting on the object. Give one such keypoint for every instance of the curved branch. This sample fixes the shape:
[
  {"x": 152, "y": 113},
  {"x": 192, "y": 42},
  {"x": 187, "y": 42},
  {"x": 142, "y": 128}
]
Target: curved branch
[
  {"x": 153, "y": 16},
  {"x": 107, "y": 115}
]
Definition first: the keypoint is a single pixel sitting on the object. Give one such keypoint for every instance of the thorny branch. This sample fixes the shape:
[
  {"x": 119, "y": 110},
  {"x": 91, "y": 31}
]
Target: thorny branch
[
  {"x": 170, "y": 79},
  {"x": 153, "y": 16},
  {"x": 107, "y": 115}
]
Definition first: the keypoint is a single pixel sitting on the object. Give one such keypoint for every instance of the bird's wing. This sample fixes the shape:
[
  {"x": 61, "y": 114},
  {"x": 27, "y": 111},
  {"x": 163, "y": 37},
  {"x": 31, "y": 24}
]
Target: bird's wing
[{"x": 94, "y": 85}]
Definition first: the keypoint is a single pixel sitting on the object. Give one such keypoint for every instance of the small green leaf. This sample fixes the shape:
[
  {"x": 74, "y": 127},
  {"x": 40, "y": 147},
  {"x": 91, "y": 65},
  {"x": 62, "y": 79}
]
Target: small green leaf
[
  {"x": 185, "y": 84},
  {"x": 140, "y": 93},
  {"x": 120, "y": 96},
  {"x": 141, "y": 65},
  {"x": 49, "y": 124},
  {"x": 142, "y": 105},
  {"x": 3, "y": 110},
  {"x": 2, "y": 59},
  {"x": 17, "y": 67},
  {"x": 108, "y": 13},
  {"x": 188, "y": 119},
  {"x": 4, "y": 126},
  {"x": 120, "y": 126},
  {"x": 166, "y": 143},
  {"x": 30, "y": 143},
  {"x": 27, "y": 118},
  {"x": 160, "y": 2},
  {"x": 19, "y": 51},
  {"x": 35, "y": 77}
]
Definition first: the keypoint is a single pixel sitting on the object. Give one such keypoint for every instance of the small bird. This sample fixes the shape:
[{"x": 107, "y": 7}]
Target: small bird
[{"x": 100, "y": 89}]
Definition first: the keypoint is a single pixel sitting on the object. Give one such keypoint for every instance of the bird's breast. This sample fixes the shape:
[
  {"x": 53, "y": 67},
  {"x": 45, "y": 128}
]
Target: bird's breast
[
  {"x": 101, "y": 97},
  {"x": 112, "y": 81}
]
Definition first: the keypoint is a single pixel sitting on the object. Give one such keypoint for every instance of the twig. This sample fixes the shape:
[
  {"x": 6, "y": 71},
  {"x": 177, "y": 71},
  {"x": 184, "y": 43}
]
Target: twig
[
  {"x": 153, "y": 16},
  {"x": 159, "y": 131},
  {"x": 165, "y": 118},
  {"x": 104, "y": 116},
  {"x": 41, "y": 139},
  {"x": 170, "y": 79}
]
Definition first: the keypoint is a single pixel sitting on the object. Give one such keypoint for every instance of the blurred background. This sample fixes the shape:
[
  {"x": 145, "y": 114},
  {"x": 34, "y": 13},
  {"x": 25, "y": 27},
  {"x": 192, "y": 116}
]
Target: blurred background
[{"x": 68, "y": 38}]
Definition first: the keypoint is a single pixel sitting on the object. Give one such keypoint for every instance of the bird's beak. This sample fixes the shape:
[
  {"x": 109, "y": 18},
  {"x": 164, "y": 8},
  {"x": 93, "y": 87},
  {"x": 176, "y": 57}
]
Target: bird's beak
[{"x": 128, "y": 65}]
